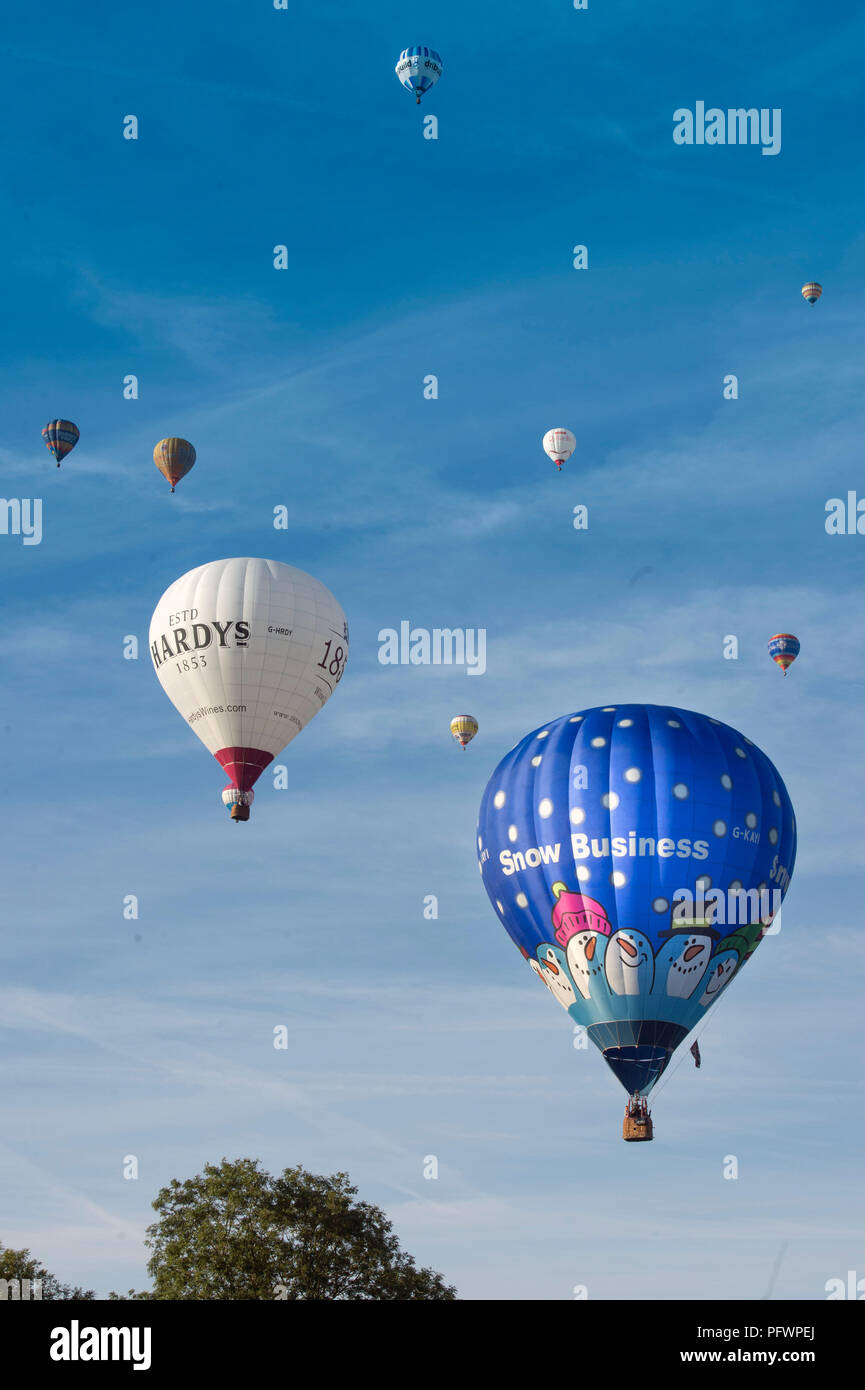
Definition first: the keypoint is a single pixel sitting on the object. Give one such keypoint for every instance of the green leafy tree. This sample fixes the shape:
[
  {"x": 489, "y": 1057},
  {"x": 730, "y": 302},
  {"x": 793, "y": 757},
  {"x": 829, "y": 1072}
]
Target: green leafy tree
[
  {"x": 20, "y": 1264},
  {"x": 236, "y": 1232}
]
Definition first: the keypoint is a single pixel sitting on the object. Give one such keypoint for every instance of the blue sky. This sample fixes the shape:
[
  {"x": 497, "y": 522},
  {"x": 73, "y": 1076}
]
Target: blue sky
[{"x": 304, "y": 387}]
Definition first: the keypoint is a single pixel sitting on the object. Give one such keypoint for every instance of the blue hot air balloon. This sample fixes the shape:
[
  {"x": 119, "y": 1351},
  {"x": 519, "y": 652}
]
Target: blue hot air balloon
[
  {"x": 418, "y": 69},
  {"x": 783, "y": 649},
  {"x": 636, "y": 854},
  {"x": 60, "y": 437}
]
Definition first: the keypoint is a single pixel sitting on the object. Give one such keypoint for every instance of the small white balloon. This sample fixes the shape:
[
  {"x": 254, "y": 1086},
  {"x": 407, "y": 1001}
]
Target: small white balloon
[{"x": 559, "y": 445}]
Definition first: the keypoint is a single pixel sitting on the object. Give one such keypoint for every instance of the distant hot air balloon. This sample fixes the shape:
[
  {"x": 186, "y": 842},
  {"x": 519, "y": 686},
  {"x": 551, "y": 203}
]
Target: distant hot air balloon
[
  {"x": 784, "y": 648},
  {"x": 174, "y": 458},
  {"x": 418, "y": 69},
  {"x": 636, "y": 855},
  {"x": 464, "y": 727},
  {"x": 248, "y": 651},
  {"x": 238, "y": 802},
  {"x": 60, "y": 437},
  {"x": 812, "y": 291},
  {"x": 559, "y": 444}
]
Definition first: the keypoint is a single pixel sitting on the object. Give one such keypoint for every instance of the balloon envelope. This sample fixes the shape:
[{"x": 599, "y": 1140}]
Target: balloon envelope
[
  {"x": 60, "y": 437},
  {"x": 619, "y": 847},
  {"x": 418, "y": 69},
  {"x": 174, "y": 457},
  {"x": 783, "y": 649},
  {"x": 464, "y": 727},
  {"x": 559, "y": 445},
  {"x": 248, "y": 651},
  {"x": 812, "y": 291}
]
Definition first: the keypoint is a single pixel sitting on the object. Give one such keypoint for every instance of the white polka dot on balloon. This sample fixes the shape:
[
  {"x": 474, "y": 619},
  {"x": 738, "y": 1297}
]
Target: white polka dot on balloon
[
  {"x": 512, "y": 833},
  {"x": 599, "y": 743},
  {"x": 719, "y": 828},
  {"x": 680, "y": 791},
  {"x": 499, "y": 800},
  {"x": 582, "y": 873},
  {"x": 633, "y": 774},
  {"x": 545, "y": 808},
  {"x": 610, "y": 800}
]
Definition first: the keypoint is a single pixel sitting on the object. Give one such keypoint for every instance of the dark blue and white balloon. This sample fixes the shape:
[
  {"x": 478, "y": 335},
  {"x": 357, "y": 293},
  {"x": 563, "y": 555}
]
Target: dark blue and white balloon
[{"x": 636, "y": 854}]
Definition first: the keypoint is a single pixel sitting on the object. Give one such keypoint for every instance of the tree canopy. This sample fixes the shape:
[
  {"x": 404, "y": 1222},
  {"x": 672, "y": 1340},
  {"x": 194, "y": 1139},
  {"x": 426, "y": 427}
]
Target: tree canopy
[
  {"x": 20, "y": 1264},
  {"x": 237, "y": 1232}
]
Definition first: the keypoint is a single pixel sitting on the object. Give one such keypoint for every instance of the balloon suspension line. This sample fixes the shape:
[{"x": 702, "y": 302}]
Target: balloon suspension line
[{"x": 671, "y": 1071}]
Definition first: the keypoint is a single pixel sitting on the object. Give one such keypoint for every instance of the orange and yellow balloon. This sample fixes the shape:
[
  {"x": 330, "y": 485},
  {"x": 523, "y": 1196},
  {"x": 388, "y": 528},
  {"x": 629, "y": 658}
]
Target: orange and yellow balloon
[{"x": 174, "y": 458}]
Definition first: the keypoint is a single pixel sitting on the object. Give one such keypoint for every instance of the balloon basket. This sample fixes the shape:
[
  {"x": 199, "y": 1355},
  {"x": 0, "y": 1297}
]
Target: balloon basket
[
  {"x": 637, "y": 1128},
  {"x": 240, "y": 812}
]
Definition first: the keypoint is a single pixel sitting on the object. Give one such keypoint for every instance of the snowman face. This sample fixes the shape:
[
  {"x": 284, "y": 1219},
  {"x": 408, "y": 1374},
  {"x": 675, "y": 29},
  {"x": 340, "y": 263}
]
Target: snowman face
[
  {"x": 555, "y": 976},
  {"x": 720, "y": 973},
  {"x": 688, "y": 956},
  {"x": 628, "y": 962},
  {"x": 586, "y": 959}
]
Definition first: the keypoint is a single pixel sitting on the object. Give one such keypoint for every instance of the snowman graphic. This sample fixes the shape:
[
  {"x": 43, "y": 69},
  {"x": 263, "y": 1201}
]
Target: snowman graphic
[
  {"x": 582, "y": 926},
  {"x": 683, "y": 960},
  {"x": 722, "y": 968},
  {"x": 628, "y": 962},
  {"x": 552, "y": 967},
  {"x": 585, "y": 956}
]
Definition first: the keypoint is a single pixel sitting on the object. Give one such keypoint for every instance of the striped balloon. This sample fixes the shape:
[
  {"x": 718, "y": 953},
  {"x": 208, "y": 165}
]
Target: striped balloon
[
  {"x": 60, "y": 437},
  {"x": 812, "y": 291},
  {"x": 464, "y": 727},
  {"x": 174, "y": 458},
  {"x": 783, "y": 649},
  {"x": 418, "y": 69}
]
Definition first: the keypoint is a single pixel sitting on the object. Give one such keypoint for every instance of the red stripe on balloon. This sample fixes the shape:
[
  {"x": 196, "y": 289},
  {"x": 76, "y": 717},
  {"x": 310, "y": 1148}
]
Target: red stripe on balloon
[{"x": 243, "y": 766}]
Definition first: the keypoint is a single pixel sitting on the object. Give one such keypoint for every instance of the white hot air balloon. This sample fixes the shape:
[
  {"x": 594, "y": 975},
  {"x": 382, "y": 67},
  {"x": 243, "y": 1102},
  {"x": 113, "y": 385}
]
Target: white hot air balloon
[
  {"x": 559, "y": 445},
  {"x": 248, "y": 651}
]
